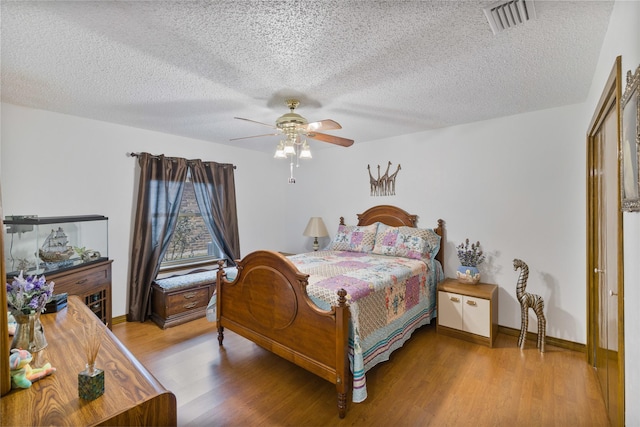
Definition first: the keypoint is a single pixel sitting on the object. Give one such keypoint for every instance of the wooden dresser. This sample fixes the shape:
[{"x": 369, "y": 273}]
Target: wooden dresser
[
  {"x": 132, "y": 396},
  {"x": 91, "y": 282}
]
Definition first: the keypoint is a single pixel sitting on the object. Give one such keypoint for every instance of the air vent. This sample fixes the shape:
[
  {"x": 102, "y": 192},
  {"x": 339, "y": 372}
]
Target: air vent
[{"x": 509, "y": 14}]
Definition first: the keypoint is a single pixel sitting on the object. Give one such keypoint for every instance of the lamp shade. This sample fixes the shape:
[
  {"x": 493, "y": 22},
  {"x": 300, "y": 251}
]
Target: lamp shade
[{"x": 315, "y": 228}]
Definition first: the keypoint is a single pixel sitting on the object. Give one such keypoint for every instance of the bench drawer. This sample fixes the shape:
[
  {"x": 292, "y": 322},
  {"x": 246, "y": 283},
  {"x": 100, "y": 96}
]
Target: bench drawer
[
  {"x": 187, "y": 300},
  {"x": 171, "y": 307}
]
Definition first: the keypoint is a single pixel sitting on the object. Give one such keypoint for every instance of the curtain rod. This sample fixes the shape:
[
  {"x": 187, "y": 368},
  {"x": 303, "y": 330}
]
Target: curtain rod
[{"x": 138, "y": 155}]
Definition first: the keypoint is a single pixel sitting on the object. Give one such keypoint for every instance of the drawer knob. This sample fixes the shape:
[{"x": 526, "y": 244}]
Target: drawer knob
[
  {"x": 470, "y": 302},
  {"x": 80, "y": 282},
  {"x": 190, "y": 305},
  {"x": 189, "y": 295},
  {"x": 455, "y": 299}
]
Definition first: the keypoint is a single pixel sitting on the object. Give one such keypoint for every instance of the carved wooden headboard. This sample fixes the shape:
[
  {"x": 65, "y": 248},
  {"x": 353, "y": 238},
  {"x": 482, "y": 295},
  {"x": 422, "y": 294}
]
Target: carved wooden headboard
[
  {"x": 396, "y": 217},
  {"x": 387, "y": 214}
]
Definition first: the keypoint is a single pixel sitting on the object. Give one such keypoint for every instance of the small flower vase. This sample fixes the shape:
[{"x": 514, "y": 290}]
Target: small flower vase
[
  {"x": 29, "y": 335},
  {"x": 91, "y": 383},
  {"x": 467, "y": 274}
]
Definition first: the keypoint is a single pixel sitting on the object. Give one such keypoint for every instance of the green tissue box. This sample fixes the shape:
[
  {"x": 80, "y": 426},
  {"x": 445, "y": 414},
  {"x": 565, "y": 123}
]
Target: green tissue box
[{"x": 91, "y": 384}]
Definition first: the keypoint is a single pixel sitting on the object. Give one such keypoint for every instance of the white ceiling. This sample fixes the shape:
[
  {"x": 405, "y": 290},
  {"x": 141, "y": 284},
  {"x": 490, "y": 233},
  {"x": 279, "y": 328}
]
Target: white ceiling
[{"x": 379, "y": 68}]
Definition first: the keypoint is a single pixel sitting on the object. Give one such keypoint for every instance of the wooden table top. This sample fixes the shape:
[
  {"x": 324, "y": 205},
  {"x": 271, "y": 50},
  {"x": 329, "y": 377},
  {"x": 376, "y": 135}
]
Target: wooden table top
[{"x": 54, "y": 400}]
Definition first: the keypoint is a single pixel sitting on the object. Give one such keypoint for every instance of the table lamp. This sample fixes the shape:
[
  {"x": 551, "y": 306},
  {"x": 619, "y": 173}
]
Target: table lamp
[{"x": 315, "y": 228}]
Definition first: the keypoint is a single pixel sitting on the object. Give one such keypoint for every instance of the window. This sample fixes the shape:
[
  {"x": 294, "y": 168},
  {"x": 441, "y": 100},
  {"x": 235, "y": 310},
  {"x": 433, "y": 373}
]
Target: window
[{"x": 191, "y": 242}]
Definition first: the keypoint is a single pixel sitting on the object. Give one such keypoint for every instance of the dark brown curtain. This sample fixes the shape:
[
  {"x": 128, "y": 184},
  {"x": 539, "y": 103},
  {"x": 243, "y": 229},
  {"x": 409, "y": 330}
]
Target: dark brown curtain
[
  {"x": 159, "y": 195},
  {"x": 215, "y": 190}
]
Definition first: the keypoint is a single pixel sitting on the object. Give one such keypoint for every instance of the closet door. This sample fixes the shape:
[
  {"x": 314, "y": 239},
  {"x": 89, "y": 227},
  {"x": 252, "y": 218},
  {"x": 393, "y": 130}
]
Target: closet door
[
  {"x": 604, "y": 239},
  {"x": 606, "y": 271}
]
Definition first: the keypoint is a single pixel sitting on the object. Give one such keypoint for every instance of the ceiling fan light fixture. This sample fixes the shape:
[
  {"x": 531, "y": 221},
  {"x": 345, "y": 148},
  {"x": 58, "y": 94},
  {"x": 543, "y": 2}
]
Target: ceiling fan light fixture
[
  {"x": 290, "y": 120},
  {"x": 280, "y": 151},
  {"x": 305, "y": 152},
  {"x": 295, "y": 129},
  {"x": 289, "y": 149}
]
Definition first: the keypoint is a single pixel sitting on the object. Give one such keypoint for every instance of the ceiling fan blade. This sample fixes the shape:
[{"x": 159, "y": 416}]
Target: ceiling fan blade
[
  {"x": 330, "y": 139},
  {"x": 255, "y": 136},
  {"x": 253, "y": 121},
  {"x": 322, "y": 125}
]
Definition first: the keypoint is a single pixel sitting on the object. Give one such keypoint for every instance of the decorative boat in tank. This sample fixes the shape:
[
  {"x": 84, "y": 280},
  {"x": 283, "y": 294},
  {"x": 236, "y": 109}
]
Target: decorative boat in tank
[{"x": 56, "y": 247}]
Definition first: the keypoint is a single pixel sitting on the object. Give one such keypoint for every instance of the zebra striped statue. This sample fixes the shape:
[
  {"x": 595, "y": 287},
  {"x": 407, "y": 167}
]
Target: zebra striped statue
[{"x": 527, "y": 301}]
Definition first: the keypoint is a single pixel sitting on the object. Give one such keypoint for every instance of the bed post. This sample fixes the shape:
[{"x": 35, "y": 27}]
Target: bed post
[
  {"x": 342, "y": 348},
  {"x": 221, "y": 275},
  {"x": 440, "y": 231}
]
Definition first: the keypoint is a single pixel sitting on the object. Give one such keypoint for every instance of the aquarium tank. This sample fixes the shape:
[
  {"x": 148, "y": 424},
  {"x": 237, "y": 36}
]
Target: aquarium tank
[{"x": 39, "y": 245}]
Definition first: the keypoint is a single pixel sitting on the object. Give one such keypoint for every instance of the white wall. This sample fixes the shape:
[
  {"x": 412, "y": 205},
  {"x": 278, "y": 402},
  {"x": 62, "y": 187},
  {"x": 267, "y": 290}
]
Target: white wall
[
  {"x": 623, "y": 39},
  {"x": 55, "y": 164},
  {"x": 515, "y": 183}
]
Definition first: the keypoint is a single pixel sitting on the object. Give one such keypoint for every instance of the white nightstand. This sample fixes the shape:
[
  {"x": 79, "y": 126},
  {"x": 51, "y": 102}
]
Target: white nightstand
[{"x": 469, "y": 312}]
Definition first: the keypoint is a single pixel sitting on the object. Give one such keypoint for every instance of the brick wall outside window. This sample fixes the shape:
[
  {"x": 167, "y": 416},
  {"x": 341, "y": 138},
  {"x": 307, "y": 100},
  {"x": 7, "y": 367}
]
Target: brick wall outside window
[{"x": 191, "y": 238}]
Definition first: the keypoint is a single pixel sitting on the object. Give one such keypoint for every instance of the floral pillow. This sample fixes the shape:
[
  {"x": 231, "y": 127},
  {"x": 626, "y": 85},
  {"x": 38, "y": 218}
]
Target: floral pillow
[
  {"x": 354, "y": 238},
  {"x": 408, "y": 242}
]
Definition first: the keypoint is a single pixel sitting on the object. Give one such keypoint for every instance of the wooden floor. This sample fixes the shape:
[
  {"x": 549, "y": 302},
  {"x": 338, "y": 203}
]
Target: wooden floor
[{"x": 432, "y": 381}]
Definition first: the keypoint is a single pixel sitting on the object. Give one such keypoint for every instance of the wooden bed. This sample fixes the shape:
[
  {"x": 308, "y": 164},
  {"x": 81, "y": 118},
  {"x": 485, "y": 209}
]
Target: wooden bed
[{"x": 268, "y": 304}]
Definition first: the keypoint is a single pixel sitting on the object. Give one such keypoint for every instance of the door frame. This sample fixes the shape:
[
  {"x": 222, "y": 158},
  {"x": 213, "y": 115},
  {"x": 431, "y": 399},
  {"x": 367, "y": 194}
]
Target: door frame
[{"x": 610, "y": 99}]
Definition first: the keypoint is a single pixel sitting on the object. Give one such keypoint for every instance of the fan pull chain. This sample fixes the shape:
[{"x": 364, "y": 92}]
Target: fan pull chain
[{"x": 292, "y": 180}]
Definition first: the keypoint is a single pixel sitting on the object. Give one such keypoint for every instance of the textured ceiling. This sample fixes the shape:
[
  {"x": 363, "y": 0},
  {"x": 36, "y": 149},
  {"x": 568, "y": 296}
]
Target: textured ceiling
[{"x": 379, "y": 68}]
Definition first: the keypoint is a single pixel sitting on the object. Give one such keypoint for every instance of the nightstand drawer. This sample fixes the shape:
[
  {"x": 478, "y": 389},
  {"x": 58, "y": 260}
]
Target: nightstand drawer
[
  {"x": 450, "y": 310},
  {"x": 477, "y": 316},
  {"x": 465, "y": 313},
  {"x": 469, "y": 312}
]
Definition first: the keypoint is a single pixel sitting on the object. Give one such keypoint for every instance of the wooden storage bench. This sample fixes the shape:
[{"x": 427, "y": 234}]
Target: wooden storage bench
[{"x": 179, "y": 299}]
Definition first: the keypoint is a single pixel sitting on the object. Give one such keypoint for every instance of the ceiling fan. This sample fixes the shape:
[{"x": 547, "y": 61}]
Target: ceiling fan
[{"x": 294, "y": 127}]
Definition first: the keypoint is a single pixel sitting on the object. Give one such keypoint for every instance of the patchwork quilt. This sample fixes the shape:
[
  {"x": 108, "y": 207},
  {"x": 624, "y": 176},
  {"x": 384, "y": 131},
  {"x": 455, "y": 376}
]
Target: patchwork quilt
[{"x": 389, "y": 298}]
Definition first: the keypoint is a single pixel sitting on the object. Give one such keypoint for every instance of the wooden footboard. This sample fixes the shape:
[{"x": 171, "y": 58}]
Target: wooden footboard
[{"x": 268, "y": 304}]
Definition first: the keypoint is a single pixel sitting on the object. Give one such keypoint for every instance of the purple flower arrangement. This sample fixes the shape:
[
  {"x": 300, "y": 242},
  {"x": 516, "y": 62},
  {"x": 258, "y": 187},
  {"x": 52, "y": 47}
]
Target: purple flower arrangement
[
  {"x": 470, "y": 255},
  {"x": 29, "y": 295}
]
